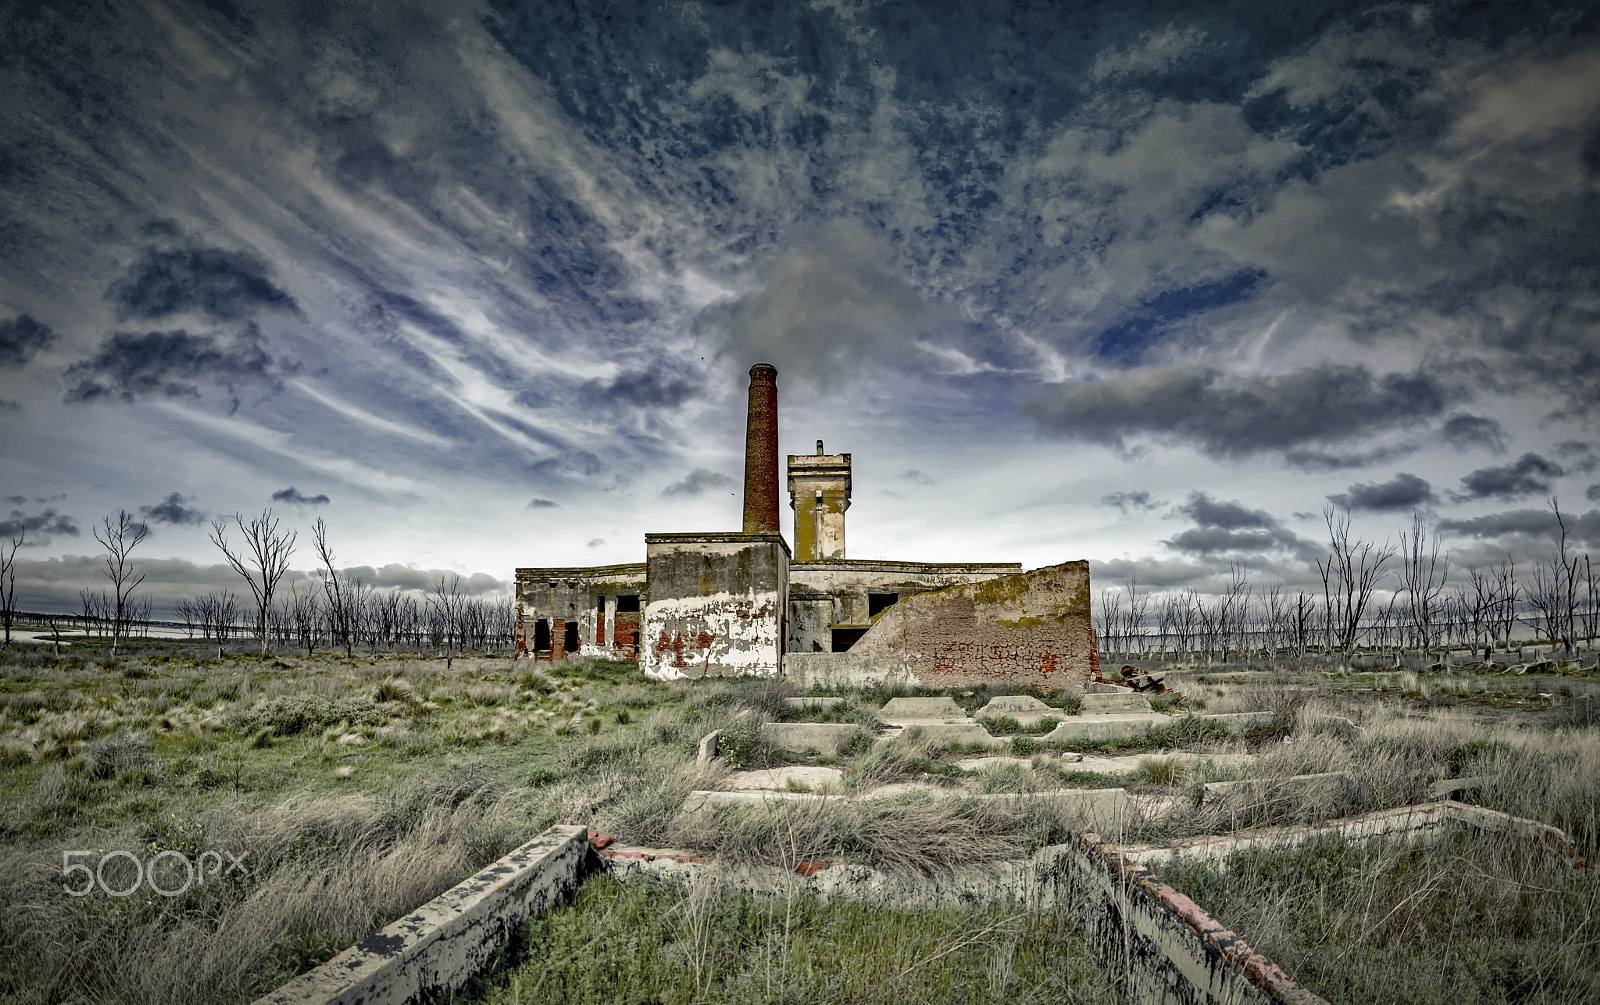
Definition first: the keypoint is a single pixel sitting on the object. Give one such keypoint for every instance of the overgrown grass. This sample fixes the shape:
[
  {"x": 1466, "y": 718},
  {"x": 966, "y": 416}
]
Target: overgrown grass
[
  {"x": 1471, "y": 920},
  {"x": 647, "y": 942}
]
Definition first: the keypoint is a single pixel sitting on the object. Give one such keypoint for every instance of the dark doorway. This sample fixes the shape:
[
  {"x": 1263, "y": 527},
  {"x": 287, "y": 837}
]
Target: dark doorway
[
  {"x": 844, "y": 638},
  {"x": 541, "y": 635},
  {"x": 877, "y": 602},
  {"x": 628, "y": 603},
  {"x": 572, "y": 643}
]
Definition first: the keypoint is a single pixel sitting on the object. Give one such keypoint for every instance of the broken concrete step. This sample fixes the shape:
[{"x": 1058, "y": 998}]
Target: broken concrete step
[
  {"x": 950, "y": 734},
  {"x": 905, "y": 710},
  {"x": 1025, "y": 709},
  {"x": 1103, "y": 728},
  {"x": 804, "y": 737}
]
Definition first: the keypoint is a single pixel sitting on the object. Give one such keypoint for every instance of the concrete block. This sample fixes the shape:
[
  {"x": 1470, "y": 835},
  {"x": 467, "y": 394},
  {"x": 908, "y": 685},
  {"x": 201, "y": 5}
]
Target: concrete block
[
  {"x": 901, "y": 710},
  {"x": 435, "y": 949},
  {"x": 951, "y": 734},
  {"x": 1099, "y": 704},
  {"x": 707, "y": 751},
  {"x": 1103, "y": 728},
  {"x": 800, "y": 737},
  {"x": 807, "y": 703}
]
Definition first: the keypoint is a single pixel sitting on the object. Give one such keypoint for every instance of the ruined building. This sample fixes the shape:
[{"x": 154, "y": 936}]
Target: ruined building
[{"x": 741, "y": 602}]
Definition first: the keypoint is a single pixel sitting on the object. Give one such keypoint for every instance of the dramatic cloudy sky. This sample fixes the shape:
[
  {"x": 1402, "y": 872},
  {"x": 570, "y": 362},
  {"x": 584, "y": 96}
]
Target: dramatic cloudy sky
[{"x": 478, "y": 282}]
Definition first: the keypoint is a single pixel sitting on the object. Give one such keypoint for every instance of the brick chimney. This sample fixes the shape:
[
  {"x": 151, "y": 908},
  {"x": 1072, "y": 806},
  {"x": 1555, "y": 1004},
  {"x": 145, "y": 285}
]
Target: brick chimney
[{"x": 761, "y": 452}]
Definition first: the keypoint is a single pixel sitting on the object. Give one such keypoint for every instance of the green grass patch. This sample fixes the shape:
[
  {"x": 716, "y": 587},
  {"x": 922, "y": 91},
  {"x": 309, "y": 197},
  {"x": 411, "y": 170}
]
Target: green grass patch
[{"x": 646, "y": 942}]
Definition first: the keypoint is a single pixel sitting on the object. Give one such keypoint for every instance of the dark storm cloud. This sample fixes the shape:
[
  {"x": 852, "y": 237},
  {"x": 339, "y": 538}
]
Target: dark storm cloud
[
  {"x": 1592, "y": 493},
  {"x": 1223, "y": 526},
  {"x": 224, "y": 285},
  {"x": 1237, "y": 416},
  {"x": 294, "y": 497},
  {"x": 1465, "y": 432},
  {"x": 39, "y": 528},
  {"x": 542, "y": 504},
  {"x": 644, "y": 389},
  {"x": 20, "y": 338},
  {"x": 1312, "y": 459},
  {"x": 1126, "y": 502},
  {"x": 404, "y": 577},
  {"x": 1579, "y": 456},
  {"x": 1402, "y": 492},
  {"x": 175, "y": 510},
  {"x": 1583, "y": 529},
  {"x": 698, "y": 482},
  {"x": 171, "y": 364},
  {"x": 1528, "y": 475}
]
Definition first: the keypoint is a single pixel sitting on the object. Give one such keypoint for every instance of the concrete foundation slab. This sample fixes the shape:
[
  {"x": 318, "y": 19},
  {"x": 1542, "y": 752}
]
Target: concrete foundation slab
[
  {"x": 1103, "y": 728},
  {"x": 1098, "y": 704},
  {"x": 801, "y": 737},
  {"x": 952, "y": 734},
  {"x": 812, "y": 776},
  {"x": 811, "y": 703}
]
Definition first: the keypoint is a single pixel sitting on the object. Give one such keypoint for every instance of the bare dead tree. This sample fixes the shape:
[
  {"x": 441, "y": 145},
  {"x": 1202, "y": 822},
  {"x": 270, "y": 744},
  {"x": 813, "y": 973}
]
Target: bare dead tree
[
  {"x": 119, "y": 539},
  {"x": 1138, "y": 614},
  {"x": 262, "y": 563},
  {"x": 1350, "y": 574},
  {"x": 8, "y": 581},
  {"x": 336, "y": 588},
  {"x": 1423, "y": 574}
]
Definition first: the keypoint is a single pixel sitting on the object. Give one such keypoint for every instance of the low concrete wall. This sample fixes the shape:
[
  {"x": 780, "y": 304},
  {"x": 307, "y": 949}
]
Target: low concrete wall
[
  {"x": 848, "y": 669},
  {"x": 1421, "y": 822},
  {"x": 435, "y": 950},
  {"x": 1157, "y": 944}
]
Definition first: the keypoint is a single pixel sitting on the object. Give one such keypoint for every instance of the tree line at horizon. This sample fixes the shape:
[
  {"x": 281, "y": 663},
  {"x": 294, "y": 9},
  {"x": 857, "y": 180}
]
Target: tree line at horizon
[
  {"x": 339, "y": 610},
  {"x": 1558, "y": 601}
]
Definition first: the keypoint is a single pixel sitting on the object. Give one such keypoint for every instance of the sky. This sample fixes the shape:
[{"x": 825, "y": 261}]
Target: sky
[{"x": 478, "y": 283}]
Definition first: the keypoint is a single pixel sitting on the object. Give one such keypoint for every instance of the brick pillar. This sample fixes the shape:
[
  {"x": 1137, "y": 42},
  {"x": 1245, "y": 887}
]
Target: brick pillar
[{"x": 761, "y": 452}]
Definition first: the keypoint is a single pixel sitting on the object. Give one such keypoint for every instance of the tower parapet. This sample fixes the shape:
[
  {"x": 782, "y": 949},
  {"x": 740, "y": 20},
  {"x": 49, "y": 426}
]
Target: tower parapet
[{"x": 819, "y": 493}]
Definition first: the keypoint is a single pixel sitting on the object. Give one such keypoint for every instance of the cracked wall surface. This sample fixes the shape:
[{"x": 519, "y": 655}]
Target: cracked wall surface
[
  {"x": 1027, "y": 628},
  {"x": 717, "y": 605}
]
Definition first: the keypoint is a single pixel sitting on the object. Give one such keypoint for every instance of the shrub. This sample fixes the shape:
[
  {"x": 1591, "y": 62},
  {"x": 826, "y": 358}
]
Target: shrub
[
  {"x": 1025, "y": 746},
  {"x": 288, "y": 715},
  {"x": 741, "y": 744}
]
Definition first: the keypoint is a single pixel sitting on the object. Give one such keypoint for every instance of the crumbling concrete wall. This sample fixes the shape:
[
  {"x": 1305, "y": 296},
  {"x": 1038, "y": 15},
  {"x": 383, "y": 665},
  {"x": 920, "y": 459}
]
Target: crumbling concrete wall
[
  {"x": 810, "y": 621},
  {"x": 1028, "y": 628},
  {"x": 603, "y": 602},
  {"x": 852, "y": 582},
  {"x": 717, "y": 604}
]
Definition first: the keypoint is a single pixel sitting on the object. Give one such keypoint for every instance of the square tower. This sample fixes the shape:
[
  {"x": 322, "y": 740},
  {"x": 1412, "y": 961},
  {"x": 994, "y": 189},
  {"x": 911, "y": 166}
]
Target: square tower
[{"x": 819, "y": 493}]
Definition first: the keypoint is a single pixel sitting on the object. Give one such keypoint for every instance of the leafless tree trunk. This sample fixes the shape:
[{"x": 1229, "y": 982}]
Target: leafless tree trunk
[
  {"x": 119, "y": 539},
  {"x": 1349, "y": 574},
  {"x": 262, "y": 563},
  {"x": 1424, "y": 575},
  {"x": 8, "y": 582},
  {"x": 336, "y": 588}
]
